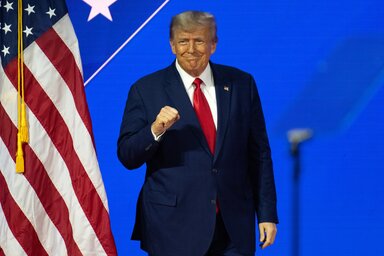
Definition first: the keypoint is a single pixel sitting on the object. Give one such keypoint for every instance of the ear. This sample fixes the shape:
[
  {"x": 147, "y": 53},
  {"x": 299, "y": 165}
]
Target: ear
[
  {"x": 173, "y": 46},
  {"x": 213, "y": 47}
]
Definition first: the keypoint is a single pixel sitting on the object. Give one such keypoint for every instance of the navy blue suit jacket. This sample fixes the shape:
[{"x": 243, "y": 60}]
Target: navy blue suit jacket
[{"x": 176, "y": 209}]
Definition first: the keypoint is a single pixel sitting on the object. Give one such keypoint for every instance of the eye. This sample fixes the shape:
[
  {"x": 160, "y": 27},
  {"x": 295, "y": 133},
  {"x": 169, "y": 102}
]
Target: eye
[
  {"x": 182, "y": 42},
  {"x": 199, "y": 42}
]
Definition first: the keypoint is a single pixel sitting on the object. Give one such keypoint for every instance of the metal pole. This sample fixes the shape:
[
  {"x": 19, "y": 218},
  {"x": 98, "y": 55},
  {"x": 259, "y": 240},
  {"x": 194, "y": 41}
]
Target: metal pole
[
  {"x": 295, "y": 152},
  {"x": 296, "y": 137}
]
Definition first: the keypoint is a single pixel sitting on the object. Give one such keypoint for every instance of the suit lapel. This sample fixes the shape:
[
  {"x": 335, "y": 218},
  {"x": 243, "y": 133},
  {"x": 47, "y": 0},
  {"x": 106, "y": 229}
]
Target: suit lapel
[
  {"x": 177, "y": 94},
  {"x": 223, "y": 89}
]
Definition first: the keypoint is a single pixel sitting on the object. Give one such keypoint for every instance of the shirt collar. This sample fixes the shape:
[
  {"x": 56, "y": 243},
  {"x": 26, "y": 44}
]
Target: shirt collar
[{"x": 205, "y": 76}]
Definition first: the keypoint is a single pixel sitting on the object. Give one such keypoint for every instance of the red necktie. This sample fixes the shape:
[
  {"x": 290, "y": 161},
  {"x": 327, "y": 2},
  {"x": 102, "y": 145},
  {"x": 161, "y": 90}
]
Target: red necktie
[{"x": 203, "y": 112}]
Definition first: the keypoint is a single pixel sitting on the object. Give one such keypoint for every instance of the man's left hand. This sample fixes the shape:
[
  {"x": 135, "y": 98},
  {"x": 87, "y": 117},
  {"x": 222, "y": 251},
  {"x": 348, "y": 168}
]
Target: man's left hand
[{"x": 268, "y": 232}]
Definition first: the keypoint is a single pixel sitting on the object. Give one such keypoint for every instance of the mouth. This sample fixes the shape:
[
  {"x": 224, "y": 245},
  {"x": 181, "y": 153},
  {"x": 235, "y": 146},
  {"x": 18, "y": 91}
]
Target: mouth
[
  {"x": 193, "y": 62},
  {"x": 192, "y": 58}
]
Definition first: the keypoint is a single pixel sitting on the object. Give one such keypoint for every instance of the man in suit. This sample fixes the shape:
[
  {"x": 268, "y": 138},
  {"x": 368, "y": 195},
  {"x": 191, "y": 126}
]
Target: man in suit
[{"x": 200, "y": 130}]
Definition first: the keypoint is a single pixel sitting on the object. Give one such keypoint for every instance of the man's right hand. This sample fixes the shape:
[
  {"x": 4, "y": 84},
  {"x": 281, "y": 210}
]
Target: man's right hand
[{"x": 164, "y": 120}]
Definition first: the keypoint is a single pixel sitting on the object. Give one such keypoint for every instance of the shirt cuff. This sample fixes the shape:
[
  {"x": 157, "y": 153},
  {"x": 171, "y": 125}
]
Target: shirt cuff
[{"x": 158, "y": 137}]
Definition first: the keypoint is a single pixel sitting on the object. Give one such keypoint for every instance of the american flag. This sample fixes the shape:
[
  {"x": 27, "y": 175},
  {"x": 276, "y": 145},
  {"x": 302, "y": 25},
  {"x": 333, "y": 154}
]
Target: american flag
[{"x": 59, "y": 205}]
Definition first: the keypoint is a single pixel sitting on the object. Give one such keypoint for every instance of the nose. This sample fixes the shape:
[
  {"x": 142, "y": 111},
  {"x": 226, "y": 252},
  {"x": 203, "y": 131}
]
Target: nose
[{"x": 191, "y": 47}]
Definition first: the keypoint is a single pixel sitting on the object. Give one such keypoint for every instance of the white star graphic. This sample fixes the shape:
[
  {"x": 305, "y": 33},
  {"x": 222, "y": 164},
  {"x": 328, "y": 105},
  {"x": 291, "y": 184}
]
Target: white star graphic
[
  {"x": 7, "y": 28},
  {"x": 8, "y": 6},
  {"x": 30, "y": 9},
  {"x": 28, "y": 31},
  {"x": 100, "y": 7},
  {"x": 51, "y": 12},
  {"x": 5, "y": 50}
]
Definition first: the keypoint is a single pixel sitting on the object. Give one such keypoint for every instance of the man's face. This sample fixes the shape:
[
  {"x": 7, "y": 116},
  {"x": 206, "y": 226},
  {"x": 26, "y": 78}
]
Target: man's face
[{"x": 193, "y": 49}]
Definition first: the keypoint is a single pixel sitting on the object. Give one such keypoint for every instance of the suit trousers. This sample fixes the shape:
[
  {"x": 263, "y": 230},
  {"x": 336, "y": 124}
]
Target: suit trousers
[{"x": 221, "y": 244}]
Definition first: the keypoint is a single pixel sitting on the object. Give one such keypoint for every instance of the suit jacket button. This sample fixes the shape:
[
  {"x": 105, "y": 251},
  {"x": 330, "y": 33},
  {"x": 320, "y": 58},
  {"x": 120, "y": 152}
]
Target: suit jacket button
[
  {"x": 213, "y": 201},
  {"x": 214, "y": 170}
]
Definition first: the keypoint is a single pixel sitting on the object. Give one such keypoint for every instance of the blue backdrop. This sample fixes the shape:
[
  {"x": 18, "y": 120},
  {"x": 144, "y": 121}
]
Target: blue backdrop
[{"x": 318, "y": 64}]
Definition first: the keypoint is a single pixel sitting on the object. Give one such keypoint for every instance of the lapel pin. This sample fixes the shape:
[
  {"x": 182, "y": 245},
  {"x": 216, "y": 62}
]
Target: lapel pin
[{"x": 226, "y": 88}]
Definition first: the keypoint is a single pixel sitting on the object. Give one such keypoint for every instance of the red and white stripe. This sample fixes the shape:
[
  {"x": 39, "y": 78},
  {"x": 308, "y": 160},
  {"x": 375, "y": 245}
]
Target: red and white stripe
[{"x": 59, "y": 205}]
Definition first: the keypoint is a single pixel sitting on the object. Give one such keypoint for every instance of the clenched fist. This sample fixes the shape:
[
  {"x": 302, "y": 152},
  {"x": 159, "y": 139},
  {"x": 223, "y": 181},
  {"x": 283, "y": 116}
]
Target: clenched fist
[{"x": 164, "y": 120}]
